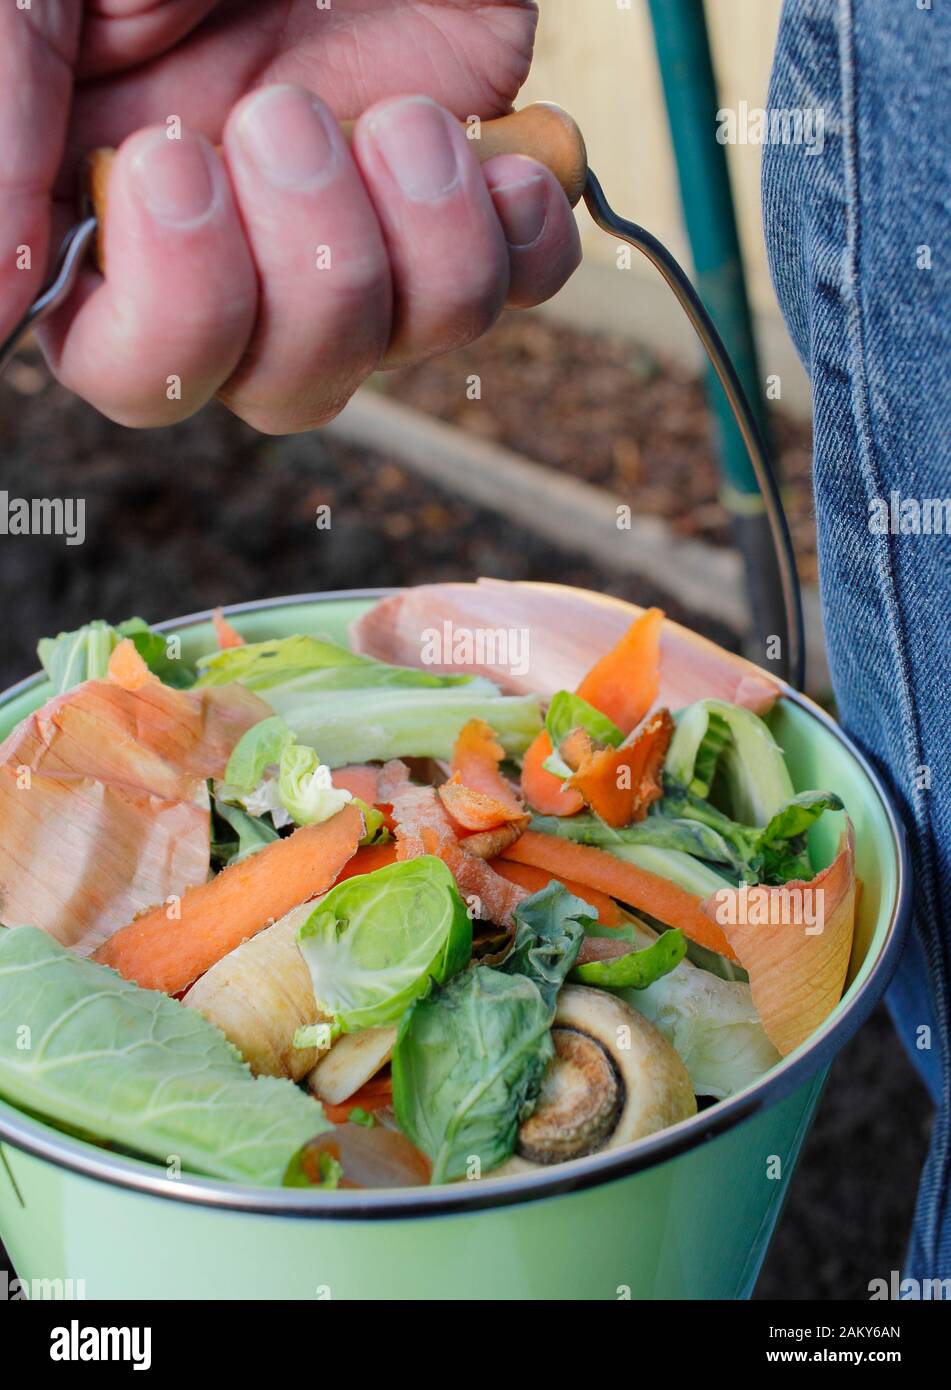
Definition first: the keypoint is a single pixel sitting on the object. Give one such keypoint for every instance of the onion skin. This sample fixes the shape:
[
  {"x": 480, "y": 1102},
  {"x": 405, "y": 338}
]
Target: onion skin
[
  {"x": 259, "y": 995},
  {"x": 372, "y": 1157}
]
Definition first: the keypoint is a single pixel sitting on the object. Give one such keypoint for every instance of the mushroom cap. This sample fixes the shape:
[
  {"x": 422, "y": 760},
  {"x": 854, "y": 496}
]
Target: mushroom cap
[
  {"x": 638, "y": 1086},
  {"x": 579, "y": 1103},
  {"x": 657, "y": 1088}
]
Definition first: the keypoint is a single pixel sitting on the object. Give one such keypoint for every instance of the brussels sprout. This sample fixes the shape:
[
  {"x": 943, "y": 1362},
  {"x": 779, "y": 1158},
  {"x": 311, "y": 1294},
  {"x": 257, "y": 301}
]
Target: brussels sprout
[{"x": 374, "y": 942}]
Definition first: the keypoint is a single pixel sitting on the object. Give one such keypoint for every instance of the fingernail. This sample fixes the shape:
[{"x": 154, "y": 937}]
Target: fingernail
[
  {"x": 522, "y": 208},
  {"x": 175, "y": 178},
  {"x": 288, "y": 136},
  {"x": 413, "y": 136}
]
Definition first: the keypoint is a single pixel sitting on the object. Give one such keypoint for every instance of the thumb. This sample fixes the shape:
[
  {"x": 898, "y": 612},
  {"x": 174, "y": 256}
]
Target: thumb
[{"x": 39, "y": 42}]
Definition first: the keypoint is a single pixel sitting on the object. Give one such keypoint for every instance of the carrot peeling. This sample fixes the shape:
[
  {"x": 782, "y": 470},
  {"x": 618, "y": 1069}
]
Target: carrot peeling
[
  {"x": 533, "y": 880},
  {"x": 619, "y": 784},
  {"x": 640, "y": 889},
  {"x": 169, "y": 946},
  {"x": 127, "y": 667},
  {"x": 477, "y": 796},
  {"x": 227, "y": 635},
  {"x": 475, "y": 810},
  {"x": 486, "y": 844},
  {"x": 375, "y": 1094},
  {"x": 367, "y": 859},
  {"x": 476, "y": 756},
  {"x": 623, "y": 685},
  {"x": 549, "y": 795}
]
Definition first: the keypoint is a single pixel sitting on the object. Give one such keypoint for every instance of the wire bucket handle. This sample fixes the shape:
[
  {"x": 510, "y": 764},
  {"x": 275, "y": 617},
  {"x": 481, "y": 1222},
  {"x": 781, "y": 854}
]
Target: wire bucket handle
[{"x": 792, "y": 653}]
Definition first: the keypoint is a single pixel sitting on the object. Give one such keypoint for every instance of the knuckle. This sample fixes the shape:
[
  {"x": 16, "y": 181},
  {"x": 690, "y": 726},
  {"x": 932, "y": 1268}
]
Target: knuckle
[
  {"x": 361, "y": 275},
  {"x": 470, "y": 317},
  {"x": 291, "y": 416}
]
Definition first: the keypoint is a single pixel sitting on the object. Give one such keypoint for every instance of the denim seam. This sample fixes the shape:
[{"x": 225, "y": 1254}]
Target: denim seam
[{"x": 889, "y": 586}]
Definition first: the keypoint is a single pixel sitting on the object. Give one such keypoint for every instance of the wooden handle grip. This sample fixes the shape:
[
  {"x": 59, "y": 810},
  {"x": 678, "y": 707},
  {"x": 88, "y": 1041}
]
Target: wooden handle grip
[
  {"x": 548, "y": 134},
  {"x": 543, "y": 130}
]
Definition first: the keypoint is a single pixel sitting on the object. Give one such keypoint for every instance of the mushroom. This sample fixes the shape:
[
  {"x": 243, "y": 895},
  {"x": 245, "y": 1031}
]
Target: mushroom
[
  {"x": 579, "y": 1103},
  {"x": 614, "y": 1079}
]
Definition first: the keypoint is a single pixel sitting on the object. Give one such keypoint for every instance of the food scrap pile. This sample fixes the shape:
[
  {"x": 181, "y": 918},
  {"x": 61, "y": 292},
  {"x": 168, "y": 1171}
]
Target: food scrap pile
[{"x": 363, "y": 920}]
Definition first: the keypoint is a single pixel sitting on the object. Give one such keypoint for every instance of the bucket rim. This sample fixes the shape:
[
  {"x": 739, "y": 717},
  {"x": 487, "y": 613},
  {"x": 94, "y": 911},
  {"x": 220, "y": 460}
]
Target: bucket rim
[{"x": 41, "y": 1141}]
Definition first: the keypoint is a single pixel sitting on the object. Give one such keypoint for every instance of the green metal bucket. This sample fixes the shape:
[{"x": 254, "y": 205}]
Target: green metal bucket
[{"x": 685, "y": 1214}]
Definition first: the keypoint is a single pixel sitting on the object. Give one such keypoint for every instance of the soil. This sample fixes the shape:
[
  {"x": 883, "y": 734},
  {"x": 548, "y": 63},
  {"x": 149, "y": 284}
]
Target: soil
[
  {"x": 210, "y": 512},
  {"x": 610, "y": 413}
]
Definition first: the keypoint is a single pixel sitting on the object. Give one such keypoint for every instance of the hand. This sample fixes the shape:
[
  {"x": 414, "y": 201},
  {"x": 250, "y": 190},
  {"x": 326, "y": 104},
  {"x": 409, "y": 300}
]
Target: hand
[{"x": 280, "y": 274}]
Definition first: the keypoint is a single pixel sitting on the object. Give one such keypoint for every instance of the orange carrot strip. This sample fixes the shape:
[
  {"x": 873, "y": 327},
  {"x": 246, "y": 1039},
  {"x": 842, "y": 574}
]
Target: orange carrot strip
[
  {"x": 374, "y": 1094},
  {"x": 475, "y": 810},
  {"x": 226, "y": 634},
  {"x": 363, "y": 780},
  {"x": 529, "y": 877},
  {"x": 127, "y": 667},
  {"x": 476, "y": 756},
  {"x": 423, "y": 827},
  {"x": 619, "y": 784},
  {"x": 642, "y": 890},
  {"x": 549, "y": 795},
  {"x": 359, "y": 779},
  {"x": 367, "y": 859},
  {"x": 486, "y": 844},
  {"x": 624, "y": 683},
  {"x": 161, "y": 951}
]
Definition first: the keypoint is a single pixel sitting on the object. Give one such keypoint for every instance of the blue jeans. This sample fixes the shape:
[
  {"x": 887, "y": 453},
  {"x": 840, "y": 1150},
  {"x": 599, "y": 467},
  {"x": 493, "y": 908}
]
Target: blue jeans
[{"x": 859, "y": 238}]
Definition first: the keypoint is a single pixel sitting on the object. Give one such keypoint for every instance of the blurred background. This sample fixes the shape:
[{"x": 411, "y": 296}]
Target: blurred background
[{"x": 604, "y": 386}]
